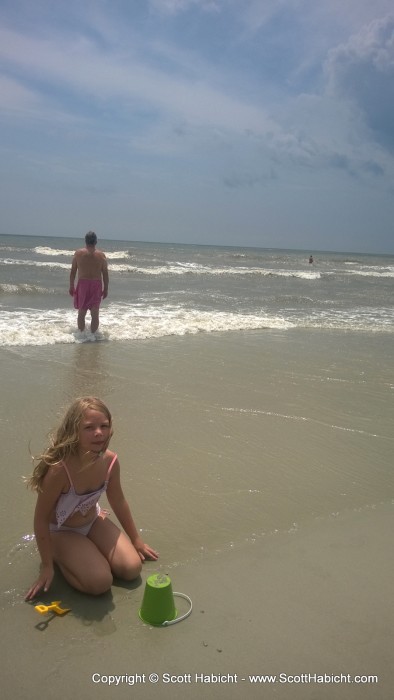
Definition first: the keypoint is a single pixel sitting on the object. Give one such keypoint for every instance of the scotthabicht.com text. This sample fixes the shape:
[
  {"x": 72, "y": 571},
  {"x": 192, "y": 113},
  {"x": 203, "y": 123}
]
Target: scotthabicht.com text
[{"x": 233, "y": 678}]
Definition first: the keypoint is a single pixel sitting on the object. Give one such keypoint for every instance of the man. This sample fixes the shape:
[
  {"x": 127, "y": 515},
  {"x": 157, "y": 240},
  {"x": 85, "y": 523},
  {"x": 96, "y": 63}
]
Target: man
[{"x": 92, "y": 268}]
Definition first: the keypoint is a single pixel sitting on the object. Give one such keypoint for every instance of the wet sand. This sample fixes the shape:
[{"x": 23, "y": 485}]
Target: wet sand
[
  {"x": 260, "y": 469},
  {"x": 312, "y": 602}
]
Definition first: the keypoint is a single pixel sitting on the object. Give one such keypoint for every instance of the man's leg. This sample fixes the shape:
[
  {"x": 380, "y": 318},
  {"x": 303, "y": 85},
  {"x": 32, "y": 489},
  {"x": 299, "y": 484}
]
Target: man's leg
[
  {"x": 95, "y": 319},
  {"x": 81, "y": 319}
]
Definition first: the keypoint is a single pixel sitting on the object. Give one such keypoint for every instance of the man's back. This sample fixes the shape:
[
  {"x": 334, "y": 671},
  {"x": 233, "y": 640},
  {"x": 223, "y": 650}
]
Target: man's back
[{"x": 90, "y": 263}]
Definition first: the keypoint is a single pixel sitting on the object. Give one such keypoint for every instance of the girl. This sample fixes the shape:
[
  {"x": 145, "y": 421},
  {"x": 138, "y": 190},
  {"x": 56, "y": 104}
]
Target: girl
[{"x": 69, "y": 526}]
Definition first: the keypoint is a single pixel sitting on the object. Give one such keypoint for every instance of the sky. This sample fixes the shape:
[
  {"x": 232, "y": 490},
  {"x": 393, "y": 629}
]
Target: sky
[{"x": 263, "y": 123}]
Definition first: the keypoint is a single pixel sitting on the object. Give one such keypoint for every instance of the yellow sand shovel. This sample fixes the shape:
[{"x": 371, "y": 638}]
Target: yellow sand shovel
[{"x": 55, "y": 606}]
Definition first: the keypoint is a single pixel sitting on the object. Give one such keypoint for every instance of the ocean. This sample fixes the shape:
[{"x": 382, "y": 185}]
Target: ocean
[{"x": 158, "y": 290}]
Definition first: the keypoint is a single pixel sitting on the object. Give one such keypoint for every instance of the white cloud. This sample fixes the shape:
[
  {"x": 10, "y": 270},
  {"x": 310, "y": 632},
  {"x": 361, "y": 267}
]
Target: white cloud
[
  {"x": 15, "y": 96},
  {"x": 172, "y": 7},
  {"x": 82, "y": 68},
  {"x": 255, "y": 105},
  {"x": 362, "y": 71}
]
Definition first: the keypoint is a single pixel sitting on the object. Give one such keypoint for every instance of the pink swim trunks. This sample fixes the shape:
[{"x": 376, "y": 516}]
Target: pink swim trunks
[{"x": 87, "y": 294}]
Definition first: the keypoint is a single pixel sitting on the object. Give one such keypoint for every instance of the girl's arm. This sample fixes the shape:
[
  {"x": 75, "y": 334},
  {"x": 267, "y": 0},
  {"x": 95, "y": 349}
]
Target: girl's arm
[
  {"x": 122, "y": 511},
  {"x": 52, "y": 486}
]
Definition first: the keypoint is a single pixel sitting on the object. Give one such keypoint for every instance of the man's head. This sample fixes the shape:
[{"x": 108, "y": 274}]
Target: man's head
[{"x": 91, "y": 238}]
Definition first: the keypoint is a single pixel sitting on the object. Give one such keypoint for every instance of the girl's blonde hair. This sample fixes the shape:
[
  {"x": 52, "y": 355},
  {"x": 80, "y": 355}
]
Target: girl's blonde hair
[{"x": 64, "y": 441}]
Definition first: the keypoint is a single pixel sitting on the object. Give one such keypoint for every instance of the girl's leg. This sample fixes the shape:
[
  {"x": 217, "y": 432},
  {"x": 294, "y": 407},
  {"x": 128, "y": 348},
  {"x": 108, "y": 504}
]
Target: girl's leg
[
  {"x": 81, "y": 563},
  {"x": 117, "y": 549}
]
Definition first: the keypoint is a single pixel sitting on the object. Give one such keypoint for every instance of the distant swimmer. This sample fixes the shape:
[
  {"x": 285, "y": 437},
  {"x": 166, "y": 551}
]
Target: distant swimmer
[
  {"x": 92, "y": 285},
  {"x": 311, "y": 259}
]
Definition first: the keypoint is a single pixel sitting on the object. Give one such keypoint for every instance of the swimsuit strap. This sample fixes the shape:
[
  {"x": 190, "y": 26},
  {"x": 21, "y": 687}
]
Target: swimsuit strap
[
  {"x": 110, "y": 467},
  {"x": 68, "y": 474}
]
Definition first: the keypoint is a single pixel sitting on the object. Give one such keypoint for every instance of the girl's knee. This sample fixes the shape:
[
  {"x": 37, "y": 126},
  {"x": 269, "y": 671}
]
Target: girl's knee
[
  {"x": 128, "y": 571},
  {"x": 98, "y": 583}
]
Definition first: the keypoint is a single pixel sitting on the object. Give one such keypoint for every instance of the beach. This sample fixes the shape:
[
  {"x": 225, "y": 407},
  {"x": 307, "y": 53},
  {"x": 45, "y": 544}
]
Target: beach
[{"x": 259, "y": 465}]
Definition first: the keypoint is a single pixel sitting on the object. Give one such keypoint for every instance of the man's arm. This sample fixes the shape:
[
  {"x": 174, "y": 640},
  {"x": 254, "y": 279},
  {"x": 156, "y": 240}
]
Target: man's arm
[
  {"x": 104, "y": 272},
  {"x": 74, "y": 268}
]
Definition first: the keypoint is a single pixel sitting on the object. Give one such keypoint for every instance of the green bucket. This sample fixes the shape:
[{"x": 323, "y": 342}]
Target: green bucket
[{"x": 158, "y": 602}]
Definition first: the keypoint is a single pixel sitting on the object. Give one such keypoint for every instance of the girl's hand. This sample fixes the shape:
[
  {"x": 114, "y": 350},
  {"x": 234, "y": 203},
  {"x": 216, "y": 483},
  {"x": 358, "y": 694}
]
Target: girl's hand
[
  {"x": 43, "y": 582},
  {"x": 144, "y": 551}
]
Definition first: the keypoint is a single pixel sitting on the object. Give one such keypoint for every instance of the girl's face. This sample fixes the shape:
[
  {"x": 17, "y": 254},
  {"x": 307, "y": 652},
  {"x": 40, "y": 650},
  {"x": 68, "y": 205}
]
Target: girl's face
[{"x": 94, "y": 432}]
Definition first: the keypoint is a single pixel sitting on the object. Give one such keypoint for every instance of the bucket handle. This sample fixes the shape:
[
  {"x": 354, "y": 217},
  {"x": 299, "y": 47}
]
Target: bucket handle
[{"x": 182, "y": 617}]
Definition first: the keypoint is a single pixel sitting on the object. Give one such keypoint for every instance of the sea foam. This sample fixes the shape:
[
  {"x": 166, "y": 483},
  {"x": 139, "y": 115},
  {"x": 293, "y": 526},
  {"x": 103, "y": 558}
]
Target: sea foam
[
  {"x": 59, "y": 252},
  {"x": 122, "y": 322}
]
